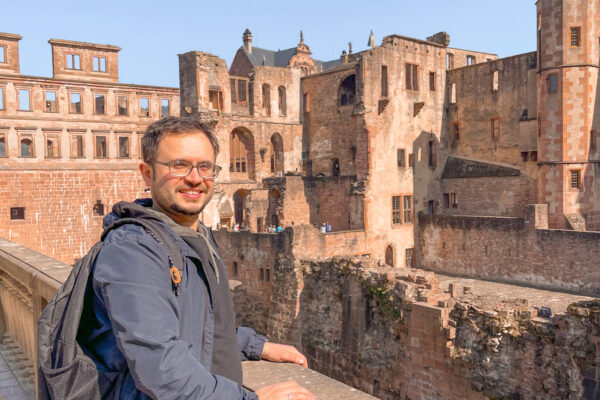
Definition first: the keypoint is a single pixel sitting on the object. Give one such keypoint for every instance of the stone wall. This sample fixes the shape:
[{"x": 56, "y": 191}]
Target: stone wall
[{"x": 511, "y": 250}]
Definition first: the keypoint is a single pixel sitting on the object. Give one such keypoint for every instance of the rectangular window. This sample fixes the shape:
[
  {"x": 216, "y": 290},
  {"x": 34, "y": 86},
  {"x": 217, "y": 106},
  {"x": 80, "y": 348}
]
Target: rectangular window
[
  {"x": 73, "y": 61},
  {"x": 524, "y": 156},
  {"x": 1, "y": 98},
  {"x": 24, "y": 104},
  {"x": 384, "y": 81},
  {"x": 401, "y": 158},
  {"x": 396, "y": 210},
  {"x": 100, "y": 104},
  {"x": 261, "y": 274},
  {"x": 77, "y": 146},
  {"x": 411, "y": 160},
  {"x": 144, "y": 107},
  {"x": 98, "y": 209},
  {"x": 410, "y": 257},
  {"x": 412, "y": 77},
  {"x": 52, "y": 145},
  {"x": 99, "y": 64},
  {"x": 122, "y": 105},
  {"x": 407, "y": 209},
  {"x": 75, "y": 103},
  {"x": 100, "y": 148},
  {"x": 235, "y": 269},
  {"x": 431, "y": 207},
  {"x": 593, "y": 141},
  {"x": 241, "y": 85},
  {"x": 3, "y": 152},
  {"x": 17, "y": 213},
  {"x": 432, "y": 81},
  {"x": 575, "y": 179},
  {"x": 495, "y": 81},
  {"x": 215, "y": 98},
  {"x": 51, "y": 104},
  {"x": 124, "y": 147},
  {"x": 446, "y": 200},
  {"x": 552, "y": 83},
  {"x": 2, "y": 54},
  {"x": 495, "y": 127},
  {"x": 453, "y": 201},
  {"x": 533, "y": 156},
  {"x": 575, "y": 36},
  {"x": 455, "y": 131},
  {"x": 267, "y": 275},
  {"x": 449, "y": 61},
  {"x": 431, "y": 153},
  {"x": 165, "y": 108},
  {"x": 233, "y": 91},
  {"x": 470, "y": 60},
  {"x": 26, "y": 146}
]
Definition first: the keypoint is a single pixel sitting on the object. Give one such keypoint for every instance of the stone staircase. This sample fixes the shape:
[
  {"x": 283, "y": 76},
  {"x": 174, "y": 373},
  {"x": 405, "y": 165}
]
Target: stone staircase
[{"x": 17, "y": 373}]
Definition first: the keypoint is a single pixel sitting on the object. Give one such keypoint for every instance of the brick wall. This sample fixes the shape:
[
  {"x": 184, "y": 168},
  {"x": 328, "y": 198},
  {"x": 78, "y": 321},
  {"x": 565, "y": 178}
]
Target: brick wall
[
  {"x": 510, "y": 249},
  {"x": 59, "y": 207}
]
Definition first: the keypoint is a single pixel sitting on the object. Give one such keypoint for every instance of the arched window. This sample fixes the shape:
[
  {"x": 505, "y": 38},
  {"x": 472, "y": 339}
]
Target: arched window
[
  {"x": 239, "y": 201},
  {"x": 347, "y": 91},
  {"x": 282, "y": 101},
  {"x": 26, "y": 147},
  {"x": 389, "y": 256},
  {"x": 241, "y": 154},
  {"x": 266, "y": 99}
]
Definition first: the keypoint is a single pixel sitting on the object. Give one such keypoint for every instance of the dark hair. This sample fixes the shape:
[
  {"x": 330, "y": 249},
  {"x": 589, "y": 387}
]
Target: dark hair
[{"x": 172, "y": 126}]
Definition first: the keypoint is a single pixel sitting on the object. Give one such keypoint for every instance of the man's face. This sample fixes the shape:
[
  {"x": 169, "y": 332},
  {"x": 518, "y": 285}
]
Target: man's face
[{"x": 181, "y": 198}]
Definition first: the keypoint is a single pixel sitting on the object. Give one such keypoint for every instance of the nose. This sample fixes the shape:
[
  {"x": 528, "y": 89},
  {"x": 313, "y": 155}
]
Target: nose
[{"x": 194, "y": 176}]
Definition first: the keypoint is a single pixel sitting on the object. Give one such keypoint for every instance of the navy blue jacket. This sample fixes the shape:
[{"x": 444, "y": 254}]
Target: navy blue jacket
[{"x": 158, "y": 345}]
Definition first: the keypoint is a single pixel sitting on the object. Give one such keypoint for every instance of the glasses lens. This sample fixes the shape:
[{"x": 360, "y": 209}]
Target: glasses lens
[{"x": 180, "y": 167}]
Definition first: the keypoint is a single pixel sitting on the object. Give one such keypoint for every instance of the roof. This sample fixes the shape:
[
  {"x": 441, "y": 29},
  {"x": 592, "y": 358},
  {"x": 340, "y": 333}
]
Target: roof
[
  {"x": 281, "y": 58},
  {"x": 458, "y": 167},
  {"x": 95, "y": 46},
  {"x": 5, "y": 35}
]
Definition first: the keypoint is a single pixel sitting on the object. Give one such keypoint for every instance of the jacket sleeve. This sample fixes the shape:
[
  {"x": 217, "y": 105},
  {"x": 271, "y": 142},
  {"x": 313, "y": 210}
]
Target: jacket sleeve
[
  {"x": 130, "y": 275},
  {"x": 250, "y": 343}
]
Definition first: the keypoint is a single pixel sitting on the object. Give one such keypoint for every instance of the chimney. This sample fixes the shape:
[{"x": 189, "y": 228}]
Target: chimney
[
  {"x": 248, "y": 40},
  {"x": 440, "y": 38}
]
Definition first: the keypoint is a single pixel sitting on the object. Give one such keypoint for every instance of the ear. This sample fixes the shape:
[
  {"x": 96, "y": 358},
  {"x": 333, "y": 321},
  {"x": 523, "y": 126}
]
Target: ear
[{"x": 147, "y": 173}]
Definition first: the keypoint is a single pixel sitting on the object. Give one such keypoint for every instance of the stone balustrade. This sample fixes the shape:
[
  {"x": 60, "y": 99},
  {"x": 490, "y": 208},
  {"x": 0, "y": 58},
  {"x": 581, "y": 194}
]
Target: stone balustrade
[{"x": 28, "y": 280}]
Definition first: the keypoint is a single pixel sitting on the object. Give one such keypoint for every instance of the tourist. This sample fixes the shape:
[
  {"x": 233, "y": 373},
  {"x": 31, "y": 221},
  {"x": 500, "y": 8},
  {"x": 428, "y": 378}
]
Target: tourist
[{"x": 158, "y": 342}]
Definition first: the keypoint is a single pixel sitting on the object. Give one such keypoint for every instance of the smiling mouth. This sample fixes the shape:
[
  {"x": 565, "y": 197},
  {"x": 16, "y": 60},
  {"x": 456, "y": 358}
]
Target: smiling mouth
[{"x": 191, "y": 194}]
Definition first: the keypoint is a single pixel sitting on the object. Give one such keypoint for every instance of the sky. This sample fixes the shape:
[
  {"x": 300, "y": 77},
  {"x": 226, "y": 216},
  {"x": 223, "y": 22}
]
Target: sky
[{"x": 151, "y": 34}]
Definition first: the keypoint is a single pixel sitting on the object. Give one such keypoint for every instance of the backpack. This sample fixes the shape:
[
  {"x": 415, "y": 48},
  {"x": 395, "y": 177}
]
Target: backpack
[{"x": 65, "y": 371}]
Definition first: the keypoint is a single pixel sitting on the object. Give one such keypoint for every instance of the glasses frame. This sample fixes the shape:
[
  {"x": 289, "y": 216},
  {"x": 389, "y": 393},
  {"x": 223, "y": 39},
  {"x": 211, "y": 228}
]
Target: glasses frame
[{"x": 215, "y": 168}]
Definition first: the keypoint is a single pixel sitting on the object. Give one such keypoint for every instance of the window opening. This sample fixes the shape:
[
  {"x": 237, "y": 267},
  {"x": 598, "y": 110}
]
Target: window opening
[
  {"x": 215, "y": 98},
  {"x": 2, "y": 54},
  {"x": 593, "y": 141},
  {"x": 52, "y": 146},
  {"x": 164, "y": 108},
  {"x": 449, "y": 61},
  {"x": 1, "y": 98},
  {"x": 412, "y": 77},
  {"x": 99, "y": 104},
  {"x": 27, "y": 146},
  {"x": 431, "y": 207},
  {"x": 282, "y": 101},
  {"x": 335, "y": 165},
  {"x": 575, "y": 179},
  {"x": 99, "y": 64},
  {"x": 75, "y": 103},
  {"x": 100, "y": 150},
  {"x": 2, "y": 145},
  {"x": 347, "y": 91},
  {"x": 495, "y": 81},
  {"x": 266, "y": 99},
  {"x": 553, "y": 83},
  {"x": 431, "y": 153},
  {"x": 123, "y": 146},
  {"x": 98, "y": 209},
  {"x": 407, "y": 209},
  {"x": 235, "y": 269},
  {"x": 384, "y": 81},
  {"x": 410, "y": 257},
  {"x": 524, "y": 156},
  {"x": 122, "y": 105},
  {"x": 144, "y": 107},
  {"x": 575, "y": 36},
  {"x": 50, "y": 102},
  {"x": 17, "y": 213},
  {"x": 73, "y": 61},
  {"x": 470, "y": 60},
  {"x": 453, "y": 93},
  {"x": 495, "y": 127},
  {"x": 446, "y": 200},
  {"x": 24, "y": 104},
  {"x": 455, "y": 131},
  {"x": 432, "y": 81},
  {"x": 533, "y": 156},
  {"x": 238, "y": 153},
  {"x": 396, "y": 210},
  {"x": 401, "y": 153},
  {"x": 411, "y": 160},
  {"x": 306, "y": 102},
  {"x": 76, "y": 146}
]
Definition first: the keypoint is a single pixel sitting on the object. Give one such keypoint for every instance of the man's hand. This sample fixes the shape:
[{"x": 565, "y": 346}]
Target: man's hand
[
  {"x": 283, "y": 353},
  {"x": 284, "y": 391}
]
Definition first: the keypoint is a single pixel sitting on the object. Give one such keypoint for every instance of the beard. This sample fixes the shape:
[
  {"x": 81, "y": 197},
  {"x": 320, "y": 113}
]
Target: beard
[{"x": 186, "y": 211}]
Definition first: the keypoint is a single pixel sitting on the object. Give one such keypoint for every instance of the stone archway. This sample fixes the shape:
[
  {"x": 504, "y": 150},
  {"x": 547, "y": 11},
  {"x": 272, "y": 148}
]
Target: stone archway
[
  {"x": 389, "y": 256},
  {"x": 239, "y": 207}
]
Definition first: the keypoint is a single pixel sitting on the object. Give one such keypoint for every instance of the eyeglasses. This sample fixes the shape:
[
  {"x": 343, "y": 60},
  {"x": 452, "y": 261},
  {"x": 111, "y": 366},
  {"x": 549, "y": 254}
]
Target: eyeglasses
[{"x": 182, "y": 168}]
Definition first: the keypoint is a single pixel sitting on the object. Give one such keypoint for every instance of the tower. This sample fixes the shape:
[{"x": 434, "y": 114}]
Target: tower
[{"x": 568, "y": 106}]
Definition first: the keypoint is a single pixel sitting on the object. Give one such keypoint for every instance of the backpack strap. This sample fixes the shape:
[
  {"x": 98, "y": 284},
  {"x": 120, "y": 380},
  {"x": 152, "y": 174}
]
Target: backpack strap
[{"x": 161, "y": 234}]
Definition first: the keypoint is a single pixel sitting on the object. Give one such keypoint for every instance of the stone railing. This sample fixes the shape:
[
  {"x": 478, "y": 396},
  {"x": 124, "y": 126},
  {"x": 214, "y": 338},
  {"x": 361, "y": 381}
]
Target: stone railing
[{"x": 28, "y": 280}]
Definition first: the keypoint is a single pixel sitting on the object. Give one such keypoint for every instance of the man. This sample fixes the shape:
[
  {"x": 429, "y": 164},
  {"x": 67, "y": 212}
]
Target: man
[{"x": 166, "y": 344}]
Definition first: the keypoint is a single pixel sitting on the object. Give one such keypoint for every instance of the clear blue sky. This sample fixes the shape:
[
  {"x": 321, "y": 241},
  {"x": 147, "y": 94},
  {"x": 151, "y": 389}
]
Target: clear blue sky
[{"x": 151, "y": 34}]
